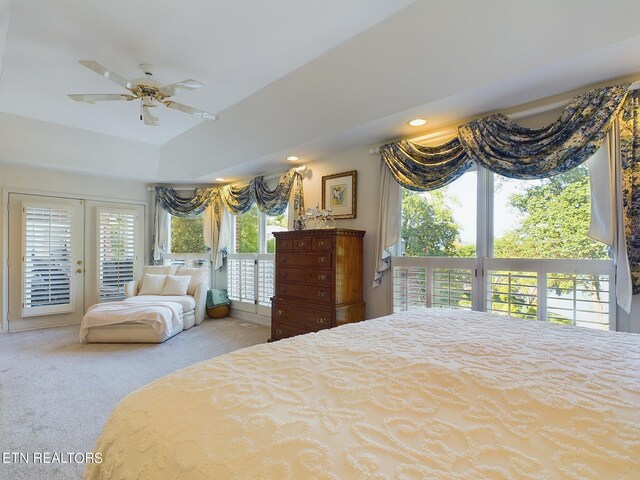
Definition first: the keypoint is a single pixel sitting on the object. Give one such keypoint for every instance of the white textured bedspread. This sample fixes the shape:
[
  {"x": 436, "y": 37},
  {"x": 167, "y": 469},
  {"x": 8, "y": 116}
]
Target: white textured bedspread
[
  {"x": 438, "y": 394},
  {"x": 163, "y": 317}
]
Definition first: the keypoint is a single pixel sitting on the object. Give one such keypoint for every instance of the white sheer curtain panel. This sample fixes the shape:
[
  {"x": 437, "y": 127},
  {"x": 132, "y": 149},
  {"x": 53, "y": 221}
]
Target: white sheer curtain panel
[
  {"x": 607, "y": 210},
  {"x": 388, "y": 232}
]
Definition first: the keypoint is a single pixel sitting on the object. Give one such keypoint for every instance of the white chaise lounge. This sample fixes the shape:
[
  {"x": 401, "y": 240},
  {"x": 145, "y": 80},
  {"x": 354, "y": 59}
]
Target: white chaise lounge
[{"x": 149, "y": 290}]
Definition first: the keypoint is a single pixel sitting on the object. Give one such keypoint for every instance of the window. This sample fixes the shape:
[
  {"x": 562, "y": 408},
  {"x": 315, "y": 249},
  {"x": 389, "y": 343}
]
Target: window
[
  {"x": 186, "y": 242},
  {"x": 246, "y": 231},
  {"x": 251, "y": 264},
  {"x": 47, "y": 263},
  {"x": 544, "y": 218},
  {"x": 531, "y": 257},
  {"x": 187, "y": 235},
  {"x": 116, "y": 251},
  {"x": 278, "y": 223},
  {"x": 441, "y": 223}
]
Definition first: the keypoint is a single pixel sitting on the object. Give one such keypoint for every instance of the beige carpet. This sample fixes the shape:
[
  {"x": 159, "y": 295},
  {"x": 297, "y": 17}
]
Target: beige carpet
[{"x": 56, "y": 394}]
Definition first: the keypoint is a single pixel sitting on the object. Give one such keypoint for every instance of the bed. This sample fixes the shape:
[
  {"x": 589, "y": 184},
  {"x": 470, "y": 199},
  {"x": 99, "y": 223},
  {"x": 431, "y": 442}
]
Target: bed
[{"x": 434, "y": 394}]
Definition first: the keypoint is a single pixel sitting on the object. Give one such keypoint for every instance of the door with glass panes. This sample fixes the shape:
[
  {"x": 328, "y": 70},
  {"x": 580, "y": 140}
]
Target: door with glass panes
[{"x": 46, "y": 261}]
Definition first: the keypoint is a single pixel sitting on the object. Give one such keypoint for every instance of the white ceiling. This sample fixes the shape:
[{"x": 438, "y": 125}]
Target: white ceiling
[
  {"x": 291, "y": 76},
  {"x": 234, "y": 47}
]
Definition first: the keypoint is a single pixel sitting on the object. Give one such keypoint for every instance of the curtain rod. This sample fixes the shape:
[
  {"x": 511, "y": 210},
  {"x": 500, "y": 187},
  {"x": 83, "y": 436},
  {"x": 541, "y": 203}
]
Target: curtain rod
[
  {"x": 180, "y": 187},
  {"x": 302, "y": 169}
]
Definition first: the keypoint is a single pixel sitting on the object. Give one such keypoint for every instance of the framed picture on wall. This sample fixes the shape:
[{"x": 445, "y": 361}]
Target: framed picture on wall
[{"x": 339, "y": 194}]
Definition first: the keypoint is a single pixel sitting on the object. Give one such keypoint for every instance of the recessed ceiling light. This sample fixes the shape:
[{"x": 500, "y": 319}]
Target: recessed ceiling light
[
  {"x": 219, "y": 179},
  {"x": 417, "y": 122},
  {"x": 292, "y": 158}
]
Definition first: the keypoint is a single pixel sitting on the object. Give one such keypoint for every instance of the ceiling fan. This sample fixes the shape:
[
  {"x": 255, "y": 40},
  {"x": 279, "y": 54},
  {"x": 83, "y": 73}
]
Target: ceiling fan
[{"x": 150, "y": 93}]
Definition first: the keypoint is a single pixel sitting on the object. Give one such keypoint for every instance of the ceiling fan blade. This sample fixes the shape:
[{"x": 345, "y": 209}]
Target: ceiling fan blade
[
  {"x": 99, "y": 97},
  {"x": 105, "y": 72},
  {"x": 148, "y": 117},
  {"x": 179, "y": 87},
  {"x": 191, "y": 111}
]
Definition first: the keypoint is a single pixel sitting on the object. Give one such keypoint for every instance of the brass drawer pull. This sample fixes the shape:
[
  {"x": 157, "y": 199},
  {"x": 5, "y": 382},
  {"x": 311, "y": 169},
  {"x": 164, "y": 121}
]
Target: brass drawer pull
[
  {"x": 283, "y": 274},
  {"x": 279, "y": 312},
  {"x": 322, "y": 259},
  {"x": 301, "y": 244},
  {"x": 322, "y": 243},
  {"x": 321, "y": 321},
  {"x": 278, "y": 331},
  {"x": 322, "y": 276},
  {"x": 285, "y": 244},
  {"x": 322, "y": 293}
]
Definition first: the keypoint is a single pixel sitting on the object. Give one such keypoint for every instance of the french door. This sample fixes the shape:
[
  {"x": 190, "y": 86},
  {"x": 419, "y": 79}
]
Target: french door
[{"x": 46, "y": 261}]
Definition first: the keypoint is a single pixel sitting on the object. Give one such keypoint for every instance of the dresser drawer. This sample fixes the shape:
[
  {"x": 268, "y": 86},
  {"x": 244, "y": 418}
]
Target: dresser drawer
[
  {"x": 301, "y": 244},
  {"x": 314, "y": 293},
  {"x": 299, "y": 317},
  {"x": 280, "y": 331},
  {"x": 284, "y": 244},
  {"x": 320, "y": 260},
  {"x": 322, "y": 244},
  {"x": 304, "y": 275}
]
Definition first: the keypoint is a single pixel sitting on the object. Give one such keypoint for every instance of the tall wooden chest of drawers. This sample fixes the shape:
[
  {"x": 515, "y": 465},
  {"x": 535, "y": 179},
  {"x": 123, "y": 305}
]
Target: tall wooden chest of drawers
[{"x": 318, "y": 281}]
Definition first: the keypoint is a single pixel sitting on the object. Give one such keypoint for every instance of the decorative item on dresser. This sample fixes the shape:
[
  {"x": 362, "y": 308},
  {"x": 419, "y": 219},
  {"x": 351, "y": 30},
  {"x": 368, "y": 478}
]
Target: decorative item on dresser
[{"x": 318, "y": 281}]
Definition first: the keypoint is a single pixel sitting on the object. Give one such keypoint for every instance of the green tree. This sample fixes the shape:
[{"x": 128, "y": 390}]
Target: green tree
[
  {"x": 555, "y": 221},
  {"x": 247, "y": 231},
  {"x": 428, "y": 226},
  {"x": 281, "y": 221},
  {"x": 187, "y": 235}
]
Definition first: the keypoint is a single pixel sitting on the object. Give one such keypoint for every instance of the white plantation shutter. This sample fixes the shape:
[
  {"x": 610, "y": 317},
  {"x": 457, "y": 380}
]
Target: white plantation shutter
[
  {"x": 47, "y": 260},
  {"x": 116, "y": 251},
  {"x": 266, "y": 279},
  {"x": 241, "y": 280}
]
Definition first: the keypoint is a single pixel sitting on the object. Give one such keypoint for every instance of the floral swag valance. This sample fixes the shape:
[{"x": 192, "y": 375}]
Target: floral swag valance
[
  {"x": 505, "y": 148},
  {"x": 235, "y": 200}
]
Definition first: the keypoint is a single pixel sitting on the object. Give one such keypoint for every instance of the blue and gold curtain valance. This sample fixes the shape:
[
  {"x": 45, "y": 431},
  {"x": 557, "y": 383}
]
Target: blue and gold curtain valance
[
  {"x": 179, "y": 206},
  {"x": 238, "y": 200},
  {"x": 418, "y": 167},
  {"x": 508, "y": 149}
]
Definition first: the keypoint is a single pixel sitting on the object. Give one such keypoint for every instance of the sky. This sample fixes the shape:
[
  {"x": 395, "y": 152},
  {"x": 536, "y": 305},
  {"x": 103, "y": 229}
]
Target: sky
[{"x": 465, "y": 190}]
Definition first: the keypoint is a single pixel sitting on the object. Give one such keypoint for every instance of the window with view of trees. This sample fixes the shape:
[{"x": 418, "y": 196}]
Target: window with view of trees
[
  {"x": 545, "y": 218},
  {"x": 440, "y": 223},
  {"x": 187, "y": 235},
  {"x": 250, "y": 265},
  {"x": 537, "y": 262},
  {"x": 247, "y": 239}
]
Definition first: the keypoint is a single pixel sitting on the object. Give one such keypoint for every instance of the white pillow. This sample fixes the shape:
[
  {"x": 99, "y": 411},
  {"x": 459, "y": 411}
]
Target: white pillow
[
  {"x": 176, "y": 285},
  {"x": 152, "y": 284},
  {"x": 198, "y": 276}
]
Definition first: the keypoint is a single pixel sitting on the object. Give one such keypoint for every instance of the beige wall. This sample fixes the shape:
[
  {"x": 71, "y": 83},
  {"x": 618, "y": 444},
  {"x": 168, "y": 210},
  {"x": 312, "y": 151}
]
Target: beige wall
[
  {"x": 368, "y": 167},
  {"x": 37, "y": 180}
]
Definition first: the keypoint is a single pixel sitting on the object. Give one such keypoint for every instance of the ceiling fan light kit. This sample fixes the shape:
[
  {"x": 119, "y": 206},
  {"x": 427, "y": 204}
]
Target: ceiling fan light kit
[{"x": 147, "y": 90}]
